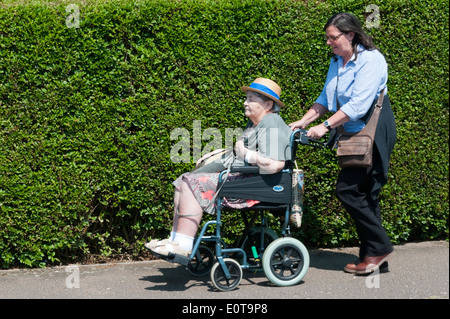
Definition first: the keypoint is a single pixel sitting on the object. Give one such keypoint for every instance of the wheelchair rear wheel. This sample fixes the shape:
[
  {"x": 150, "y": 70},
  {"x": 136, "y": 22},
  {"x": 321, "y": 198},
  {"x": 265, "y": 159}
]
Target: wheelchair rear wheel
[
  {"x": 254, "y": 239},
  {"x": 202, "y": 262},
  {"x": 219, "y": 279},
  {"x": 285, "y": 261}
]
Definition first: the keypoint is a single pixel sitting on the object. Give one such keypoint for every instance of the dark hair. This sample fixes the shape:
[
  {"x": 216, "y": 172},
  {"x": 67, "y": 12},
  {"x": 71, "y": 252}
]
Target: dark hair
[{"x": 346, "y": 22}]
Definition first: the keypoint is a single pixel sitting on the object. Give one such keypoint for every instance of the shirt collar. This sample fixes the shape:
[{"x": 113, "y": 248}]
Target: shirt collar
[{"x": 359, "y": 49}]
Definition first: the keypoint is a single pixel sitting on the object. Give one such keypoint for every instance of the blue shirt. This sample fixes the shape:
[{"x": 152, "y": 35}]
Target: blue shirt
[{"x": 360, "y": 83}]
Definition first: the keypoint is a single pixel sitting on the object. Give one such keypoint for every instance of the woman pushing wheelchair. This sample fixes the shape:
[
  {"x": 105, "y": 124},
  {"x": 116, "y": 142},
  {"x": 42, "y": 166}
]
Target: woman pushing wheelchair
[{"x": 265, "y": 143}]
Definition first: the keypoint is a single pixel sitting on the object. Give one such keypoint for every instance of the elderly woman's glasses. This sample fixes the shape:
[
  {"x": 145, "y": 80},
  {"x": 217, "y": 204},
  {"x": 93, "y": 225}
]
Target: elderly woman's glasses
[{"x": 332, "y": 38}]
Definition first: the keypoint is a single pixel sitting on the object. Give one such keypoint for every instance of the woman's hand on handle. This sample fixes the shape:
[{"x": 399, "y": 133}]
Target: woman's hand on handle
[
  {"x": 297, "y": 125},
  {"x": 316, "y": 132}
]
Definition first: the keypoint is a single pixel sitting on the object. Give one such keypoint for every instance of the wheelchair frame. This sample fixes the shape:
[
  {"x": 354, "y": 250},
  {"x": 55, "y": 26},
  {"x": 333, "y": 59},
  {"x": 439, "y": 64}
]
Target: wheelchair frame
[{"x": 275, "y": 259}]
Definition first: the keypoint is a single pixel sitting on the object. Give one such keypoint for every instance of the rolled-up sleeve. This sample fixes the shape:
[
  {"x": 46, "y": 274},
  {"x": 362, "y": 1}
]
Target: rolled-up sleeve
[{"x": 327, "y": 93}]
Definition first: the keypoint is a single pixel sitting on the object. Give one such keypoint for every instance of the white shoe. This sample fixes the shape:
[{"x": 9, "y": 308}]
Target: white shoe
[
  {"x": 156, "y": 242},
  {"x": 171, "y": 247}
]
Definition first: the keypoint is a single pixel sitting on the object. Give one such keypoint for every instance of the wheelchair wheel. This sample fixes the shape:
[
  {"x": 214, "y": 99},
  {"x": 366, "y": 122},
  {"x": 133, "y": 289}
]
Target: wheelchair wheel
[
  {"x": 285, "y": 261},
  {"x": 254, "y": 239},
  {"x": 202, "y": 262},
  {"x": 218, "y": 276}
]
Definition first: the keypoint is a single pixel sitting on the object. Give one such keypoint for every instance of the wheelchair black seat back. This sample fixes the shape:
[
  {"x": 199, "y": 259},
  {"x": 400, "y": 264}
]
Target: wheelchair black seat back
[
  {"x": 284, "y": 260},
  {"x": 273, "y": 188}
]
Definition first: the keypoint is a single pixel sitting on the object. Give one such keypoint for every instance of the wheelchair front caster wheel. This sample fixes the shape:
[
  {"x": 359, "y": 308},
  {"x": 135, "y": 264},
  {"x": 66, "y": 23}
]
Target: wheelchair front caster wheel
[
  {"x": 220, "y": 281},
  {"x": 285, "y": 261}
]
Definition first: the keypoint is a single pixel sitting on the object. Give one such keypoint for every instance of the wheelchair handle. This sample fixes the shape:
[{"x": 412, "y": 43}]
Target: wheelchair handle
[{"x": 300, "y": 136}]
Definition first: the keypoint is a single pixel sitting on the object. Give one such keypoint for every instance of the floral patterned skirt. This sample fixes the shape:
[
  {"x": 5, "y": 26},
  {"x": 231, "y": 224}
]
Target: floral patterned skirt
[{"x": 204, "y": 187}]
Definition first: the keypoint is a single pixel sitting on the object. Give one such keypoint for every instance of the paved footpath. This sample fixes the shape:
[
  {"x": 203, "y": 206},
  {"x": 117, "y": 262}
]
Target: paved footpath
[{"x": 418, "y": 271}]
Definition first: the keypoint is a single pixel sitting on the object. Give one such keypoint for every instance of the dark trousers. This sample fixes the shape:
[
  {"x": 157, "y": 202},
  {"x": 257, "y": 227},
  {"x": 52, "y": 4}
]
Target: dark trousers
[{"x": 358, "y": 190}]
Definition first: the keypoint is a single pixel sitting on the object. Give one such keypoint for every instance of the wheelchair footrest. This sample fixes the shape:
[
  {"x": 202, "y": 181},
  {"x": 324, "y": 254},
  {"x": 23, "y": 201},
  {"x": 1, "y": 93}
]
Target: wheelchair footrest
[{"x": 174, "y": 258}]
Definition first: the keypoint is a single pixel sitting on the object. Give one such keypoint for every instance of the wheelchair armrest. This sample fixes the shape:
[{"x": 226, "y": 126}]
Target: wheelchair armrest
[{"x": 245, "y": 169}]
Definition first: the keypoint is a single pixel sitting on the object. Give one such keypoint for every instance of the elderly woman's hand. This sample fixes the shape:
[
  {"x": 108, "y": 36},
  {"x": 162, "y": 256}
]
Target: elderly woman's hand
[{"x": 239, "y": 148}]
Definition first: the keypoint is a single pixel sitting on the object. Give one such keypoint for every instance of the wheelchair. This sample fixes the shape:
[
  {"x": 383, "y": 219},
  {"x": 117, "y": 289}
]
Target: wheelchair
[{"x": 284, "y": 259}]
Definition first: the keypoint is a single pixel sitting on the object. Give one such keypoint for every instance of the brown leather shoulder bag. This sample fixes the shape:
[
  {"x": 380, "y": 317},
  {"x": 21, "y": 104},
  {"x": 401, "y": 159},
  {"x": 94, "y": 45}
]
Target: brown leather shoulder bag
[{"x": 355, "y": 149}]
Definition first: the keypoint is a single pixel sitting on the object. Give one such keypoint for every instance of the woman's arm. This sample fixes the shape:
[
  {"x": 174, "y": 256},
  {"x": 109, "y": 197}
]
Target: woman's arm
[
  {"x": 316, "y": 111},
  {"x": 266, "y": 165},
  {"x": 337, "y": 119}
]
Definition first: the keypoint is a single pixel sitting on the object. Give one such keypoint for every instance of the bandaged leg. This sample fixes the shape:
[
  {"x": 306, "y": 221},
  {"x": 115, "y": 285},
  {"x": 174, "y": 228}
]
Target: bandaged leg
[
  {"x": 187, "y": 217},
  {"x": 189, "y": 214}
]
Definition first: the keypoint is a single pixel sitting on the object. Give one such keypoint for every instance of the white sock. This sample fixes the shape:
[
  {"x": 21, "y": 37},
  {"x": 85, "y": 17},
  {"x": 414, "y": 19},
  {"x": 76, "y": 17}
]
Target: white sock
[{"x": 186, "y": 242}]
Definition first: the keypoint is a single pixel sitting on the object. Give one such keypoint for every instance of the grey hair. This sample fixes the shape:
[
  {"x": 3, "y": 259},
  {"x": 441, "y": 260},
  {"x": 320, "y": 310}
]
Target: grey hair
[{"x": 275, "y": 107}]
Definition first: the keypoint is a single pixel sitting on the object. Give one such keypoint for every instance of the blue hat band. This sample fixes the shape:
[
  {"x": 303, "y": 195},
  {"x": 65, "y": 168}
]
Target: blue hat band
[{"x": 264, "y": 89}]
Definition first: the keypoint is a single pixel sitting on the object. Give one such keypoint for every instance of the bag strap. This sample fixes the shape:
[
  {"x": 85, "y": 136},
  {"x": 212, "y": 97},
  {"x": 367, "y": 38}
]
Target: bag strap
[{"x": 371, "y": 125}]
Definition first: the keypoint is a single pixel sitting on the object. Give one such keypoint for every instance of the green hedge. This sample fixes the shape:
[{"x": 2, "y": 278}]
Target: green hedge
[{"x": 86, "y": 115}]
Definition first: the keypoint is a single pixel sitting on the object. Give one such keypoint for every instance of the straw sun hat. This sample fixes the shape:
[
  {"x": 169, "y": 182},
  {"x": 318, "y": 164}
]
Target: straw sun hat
[{"x": 265, "y": 87}]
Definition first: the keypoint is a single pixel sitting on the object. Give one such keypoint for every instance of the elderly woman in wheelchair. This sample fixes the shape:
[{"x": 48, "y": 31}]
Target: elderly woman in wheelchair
[
  {"x": 265, "y": 143},
  {"x": 264, "y": 150}
]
